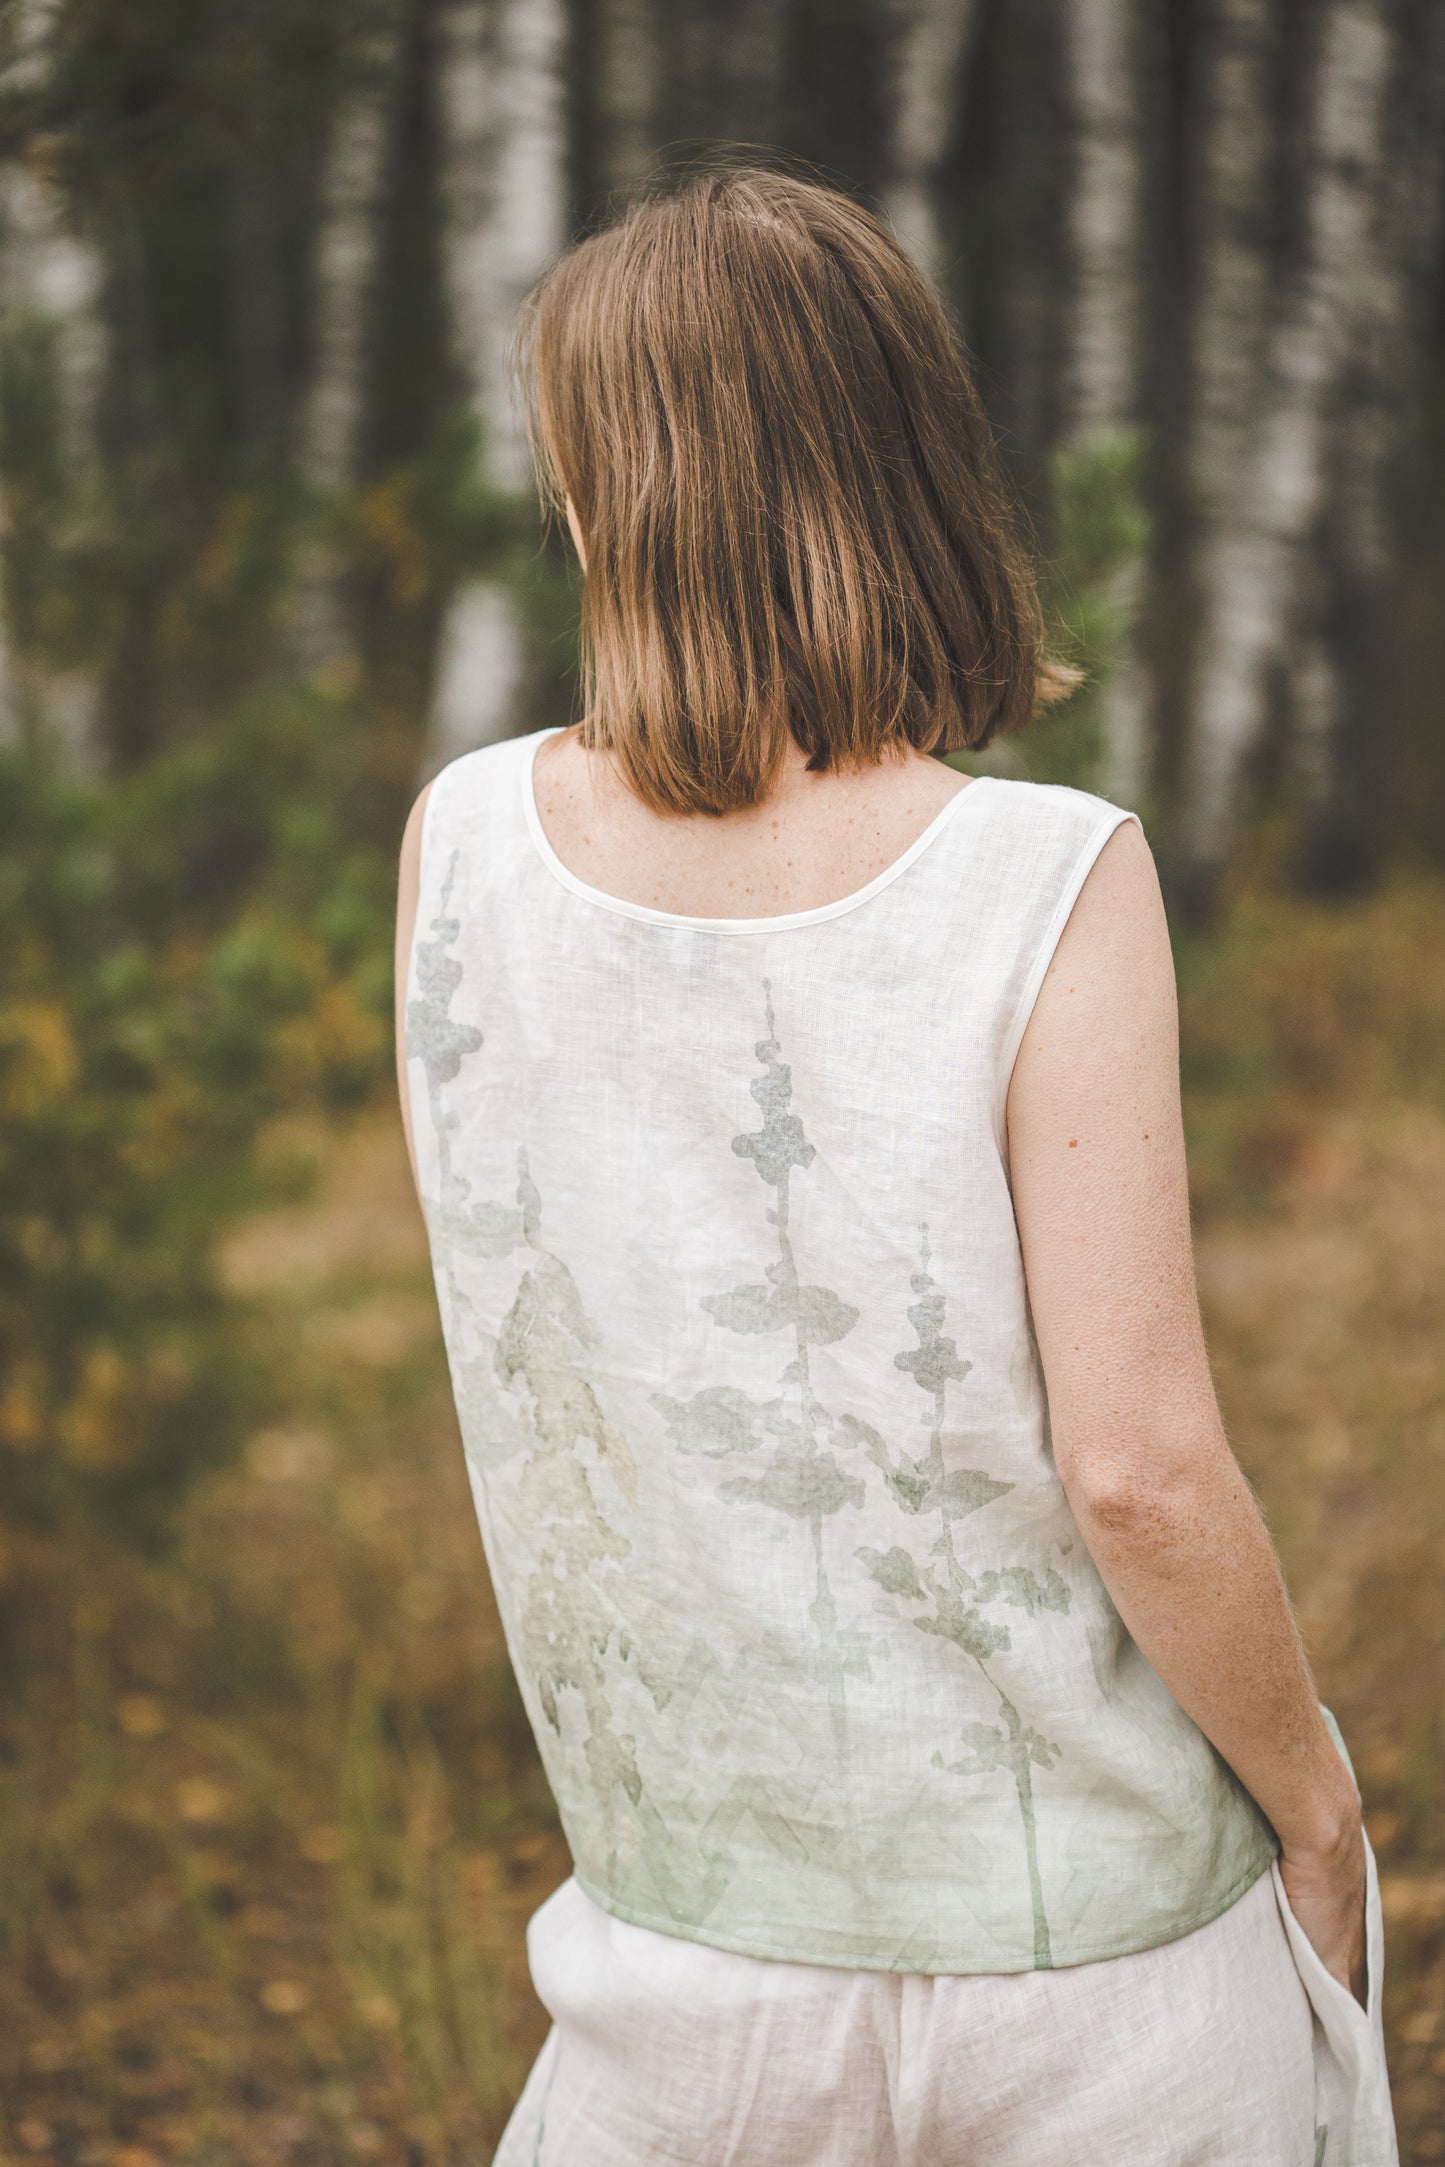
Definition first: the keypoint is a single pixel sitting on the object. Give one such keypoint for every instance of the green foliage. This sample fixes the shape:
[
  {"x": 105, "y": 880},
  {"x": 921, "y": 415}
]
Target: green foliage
[
  {"x": 1101, "y": 533},
  {"x": 185, "y": 955}
]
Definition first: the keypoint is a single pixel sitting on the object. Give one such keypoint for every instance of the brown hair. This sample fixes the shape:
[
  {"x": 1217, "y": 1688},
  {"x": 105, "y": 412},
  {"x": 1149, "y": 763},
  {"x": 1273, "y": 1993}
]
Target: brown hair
[{"x": 793, "y": 511}]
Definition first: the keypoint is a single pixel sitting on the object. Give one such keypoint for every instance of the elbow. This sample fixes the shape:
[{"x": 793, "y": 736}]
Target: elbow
[{"x": 1136, "y": 1499}]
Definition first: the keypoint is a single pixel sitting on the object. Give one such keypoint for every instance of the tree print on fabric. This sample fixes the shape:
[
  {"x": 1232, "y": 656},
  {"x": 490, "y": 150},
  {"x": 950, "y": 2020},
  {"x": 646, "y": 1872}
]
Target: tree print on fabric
[
  {"x": 800, "y": 1476},
  {"x": 951, "y": 1600},
  {"x": 529, "y": 1405},
  {"x": 806, "y": 1480}
]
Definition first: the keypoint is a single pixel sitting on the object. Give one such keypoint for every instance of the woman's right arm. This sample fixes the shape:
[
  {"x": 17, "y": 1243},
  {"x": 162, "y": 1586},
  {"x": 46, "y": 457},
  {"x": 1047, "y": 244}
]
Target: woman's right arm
[{"x": 1101, "y": 1197}]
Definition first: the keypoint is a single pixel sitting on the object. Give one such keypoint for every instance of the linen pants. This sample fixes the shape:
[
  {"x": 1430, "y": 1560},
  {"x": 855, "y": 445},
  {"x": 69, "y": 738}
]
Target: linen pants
[{"x": 1231, "y": 2046}]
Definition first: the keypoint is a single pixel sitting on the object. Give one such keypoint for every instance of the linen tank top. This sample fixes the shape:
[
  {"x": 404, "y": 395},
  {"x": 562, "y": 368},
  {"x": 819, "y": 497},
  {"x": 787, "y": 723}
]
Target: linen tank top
[{"x": 818, "y": 1664}]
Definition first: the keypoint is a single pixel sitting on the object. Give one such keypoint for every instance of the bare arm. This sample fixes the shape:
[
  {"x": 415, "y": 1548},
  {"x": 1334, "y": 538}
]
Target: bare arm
[
  {"x": 406, "y": 902},
  {"x": 1101, "y": 1197}
]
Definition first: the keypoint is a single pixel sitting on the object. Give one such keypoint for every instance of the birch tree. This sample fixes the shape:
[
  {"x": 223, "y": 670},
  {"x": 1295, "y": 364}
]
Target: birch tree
[
  {"x": 1333, "y": 685},
  {"x": 1255, "y": 557},
  {"x": 503, "y": 166},
  {"x": 1105, "y": 45},
  {"x": 931, "y": 40},
  {"x": 51, "y": 283},
  {"x": 348, "y": 233}
]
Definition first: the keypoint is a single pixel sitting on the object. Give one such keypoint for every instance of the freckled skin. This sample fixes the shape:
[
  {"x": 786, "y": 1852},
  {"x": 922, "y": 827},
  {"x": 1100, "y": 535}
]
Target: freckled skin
[
  {"x": 818, "y": 838},
  {"x": 1138, "y": 1438}
]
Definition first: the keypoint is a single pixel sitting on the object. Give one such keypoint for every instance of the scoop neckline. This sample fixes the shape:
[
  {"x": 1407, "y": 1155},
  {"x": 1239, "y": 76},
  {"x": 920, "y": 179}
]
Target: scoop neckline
[{"x": 778, "y": 923}]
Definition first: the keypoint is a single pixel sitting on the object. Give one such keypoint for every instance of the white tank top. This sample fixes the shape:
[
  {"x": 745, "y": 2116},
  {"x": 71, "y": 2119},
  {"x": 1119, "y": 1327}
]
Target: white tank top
[{"x": 818, "y": 1664}]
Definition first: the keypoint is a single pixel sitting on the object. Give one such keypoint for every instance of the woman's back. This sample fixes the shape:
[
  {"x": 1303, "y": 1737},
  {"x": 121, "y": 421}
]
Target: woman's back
[{"x": 720, "y": 1209}]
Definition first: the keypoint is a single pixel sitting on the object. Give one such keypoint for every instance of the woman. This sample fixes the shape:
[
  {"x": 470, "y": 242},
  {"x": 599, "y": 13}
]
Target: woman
[{"x": 797, "y": 1126}]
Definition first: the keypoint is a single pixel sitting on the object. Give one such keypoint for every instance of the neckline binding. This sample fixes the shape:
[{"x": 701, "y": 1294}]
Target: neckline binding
[{"x": 783, "y": 922}]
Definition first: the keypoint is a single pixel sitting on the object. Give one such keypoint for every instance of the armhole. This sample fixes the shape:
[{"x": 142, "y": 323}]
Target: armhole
[
  {"x": 1044, "y": 955},
  {"x": 428, "y": 820},
  {"x": 423, "y": 868}
]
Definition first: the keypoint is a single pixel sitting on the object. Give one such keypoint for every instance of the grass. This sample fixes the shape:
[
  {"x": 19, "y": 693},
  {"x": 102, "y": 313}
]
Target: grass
[{"x": 271, "y": 1821}]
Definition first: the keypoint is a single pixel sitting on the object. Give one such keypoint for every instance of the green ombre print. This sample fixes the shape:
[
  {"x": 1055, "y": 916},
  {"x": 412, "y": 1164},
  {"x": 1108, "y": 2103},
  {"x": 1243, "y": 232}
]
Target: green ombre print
[
  {"x": 953, "y": 1601},
  {"x": 805, "y": 1480},
  {"x": 798, "y": 1475},
  {"x": 526, "y": 1399},
  {"x": 779, "y": 1635}
]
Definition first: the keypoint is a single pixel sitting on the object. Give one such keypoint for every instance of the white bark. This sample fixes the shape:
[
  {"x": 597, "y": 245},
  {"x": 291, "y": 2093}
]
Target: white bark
[
  {"x": 1231, "y": 312},
  {"x": 1106, "y": 214},
  {"x": 1254, "y": 565},
  {"x": 1104, "y": 63},
  {"x": 46, "y": 270},
  {"x": 930, "y": 43},
  {"x": 479, "y": 672},
  {"x": 55, "y": 276},
  {"x": 51, "y": 273},
  {"x": 503, "y": 150},
  {"x": 348, "y": 237}
]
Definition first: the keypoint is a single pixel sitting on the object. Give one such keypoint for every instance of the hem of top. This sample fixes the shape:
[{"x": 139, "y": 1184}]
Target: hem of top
[
  {"x": 646, "y": 915},
  {"x": 760, "y": 1947},
  {"x": 1049, "y": 941}
]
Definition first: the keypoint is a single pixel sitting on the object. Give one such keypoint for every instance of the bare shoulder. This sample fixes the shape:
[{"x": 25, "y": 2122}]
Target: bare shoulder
[
  {"x": 1107, "y": 1006},
  {"x": 1120, "y": 907}
]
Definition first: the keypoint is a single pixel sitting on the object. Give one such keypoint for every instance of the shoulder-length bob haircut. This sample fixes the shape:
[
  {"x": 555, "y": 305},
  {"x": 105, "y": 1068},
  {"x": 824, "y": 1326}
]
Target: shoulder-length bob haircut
[{"x": 792, "y": 509}]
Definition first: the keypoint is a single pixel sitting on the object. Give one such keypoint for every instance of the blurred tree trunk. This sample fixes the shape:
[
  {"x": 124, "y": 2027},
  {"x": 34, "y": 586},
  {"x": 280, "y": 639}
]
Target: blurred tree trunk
[
  {"x": 1255, "y": 562},
  {"x": 347, "y": 249},
  {"x": 1106, "y": 50},
  {"x": 503, "y": 167},
  {"x": 626, "y": 91},
  {"x": 1233, "y": 192},
  {"x": 256, "y": 308},
  {"x": 1336, "y": 696},
  {"x": 930, "y": 49},
  {"x": 154, "y": 500},
  {"x": 51, "y": 285},
  {"x": 1030, "y": 248}
]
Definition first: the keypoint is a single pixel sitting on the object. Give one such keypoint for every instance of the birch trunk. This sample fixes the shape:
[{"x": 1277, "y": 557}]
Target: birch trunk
[
  {"x": 503, "y": 157},
  {"x": 1334, "y": 698},
  {"x": 50, "y": 274},
  {"x": 348, "y": 236},
  {"x": 1255, "y": 566},
  {"x": 1239, "y": 126},
  {"x": 931, "y": 39},
  {"x": 1104, "y": 63}
]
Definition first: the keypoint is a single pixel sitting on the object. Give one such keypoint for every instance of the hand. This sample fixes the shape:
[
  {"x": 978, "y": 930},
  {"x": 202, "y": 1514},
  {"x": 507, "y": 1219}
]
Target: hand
[{"x": 1326, "y": 1891}]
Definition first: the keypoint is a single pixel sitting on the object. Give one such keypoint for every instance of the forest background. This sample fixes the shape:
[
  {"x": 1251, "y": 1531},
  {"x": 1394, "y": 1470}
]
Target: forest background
[{"x": 270, "y": 1818}]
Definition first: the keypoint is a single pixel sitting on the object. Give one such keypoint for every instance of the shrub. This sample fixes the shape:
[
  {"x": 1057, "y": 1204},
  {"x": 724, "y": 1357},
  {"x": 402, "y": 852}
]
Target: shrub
[{"x": 185, "y": 954}]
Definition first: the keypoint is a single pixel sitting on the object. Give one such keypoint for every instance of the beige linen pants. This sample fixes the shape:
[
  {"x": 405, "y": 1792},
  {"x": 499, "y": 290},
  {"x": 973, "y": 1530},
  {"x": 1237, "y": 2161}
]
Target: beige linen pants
[{"x": 1231, "y": 2046}]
